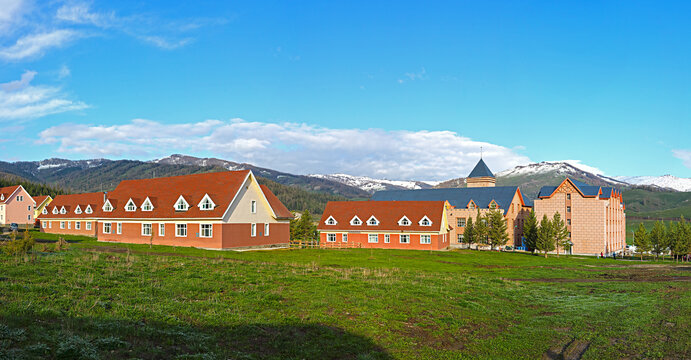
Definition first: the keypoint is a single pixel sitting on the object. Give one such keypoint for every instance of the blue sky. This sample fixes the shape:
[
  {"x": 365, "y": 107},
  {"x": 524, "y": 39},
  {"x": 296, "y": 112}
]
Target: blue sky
[{"x": 401, "y": 90}]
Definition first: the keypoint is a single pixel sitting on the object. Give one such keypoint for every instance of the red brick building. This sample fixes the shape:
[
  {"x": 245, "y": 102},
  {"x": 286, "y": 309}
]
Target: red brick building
[
  {"x": 16, "y": 206},
  {"x": 418, "y": 225},
  {"x": 75, "y": 214}
]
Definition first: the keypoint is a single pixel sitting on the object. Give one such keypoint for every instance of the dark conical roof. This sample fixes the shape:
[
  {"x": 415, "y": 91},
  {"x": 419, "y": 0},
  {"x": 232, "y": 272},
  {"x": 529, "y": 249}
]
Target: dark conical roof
[{"x": 480, "y": 170}]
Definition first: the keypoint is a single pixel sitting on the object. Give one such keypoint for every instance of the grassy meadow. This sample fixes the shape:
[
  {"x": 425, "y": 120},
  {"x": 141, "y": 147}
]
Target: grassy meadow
[{"x": 101, "y": 300}]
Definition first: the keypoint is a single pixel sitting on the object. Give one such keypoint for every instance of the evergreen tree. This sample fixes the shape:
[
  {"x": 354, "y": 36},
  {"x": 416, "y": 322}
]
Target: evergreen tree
[
  {"x": 496, "y": 229},
  {"x": 304, "y": 228},
  {"x": 481, "y": 228},
  {"x": 559, "y": 232},
  {"x": 530, "y": 228},
  {"x": 658, "y": 239},
  {"x": 545, "y": 236},
  {"x": 678, "y": 238},
  {"x": 469, "y": 233},
  {"x": 642, "y": 240}
]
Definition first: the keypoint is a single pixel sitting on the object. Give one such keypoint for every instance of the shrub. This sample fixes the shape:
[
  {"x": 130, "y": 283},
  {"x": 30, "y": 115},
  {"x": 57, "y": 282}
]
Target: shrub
[
  {"x": 17, "y": 247},
  {"x": 76, "y": 347},
  {"x": 61, "y": 244}
]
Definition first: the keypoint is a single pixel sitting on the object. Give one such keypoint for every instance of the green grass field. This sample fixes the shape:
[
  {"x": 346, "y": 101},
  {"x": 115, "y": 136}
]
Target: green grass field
[{"x": 100, "y": 300}]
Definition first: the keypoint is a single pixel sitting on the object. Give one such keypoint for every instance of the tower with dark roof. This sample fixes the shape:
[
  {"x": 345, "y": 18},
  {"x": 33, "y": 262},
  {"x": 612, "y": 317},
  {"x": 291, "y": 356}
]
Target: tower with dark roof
[{"x": 481, "y": 176}]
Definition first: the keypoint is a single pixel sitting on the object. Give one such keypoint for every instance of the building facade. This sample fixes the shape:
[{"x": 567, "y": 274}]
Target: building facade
[
  {"x": 16, "y": 206},
  {"x": 75, "y": 214},
  {"x": 480, "y": 197},
  {"x": 594, "y": 216},
  {"x": 419, "y": 225}
]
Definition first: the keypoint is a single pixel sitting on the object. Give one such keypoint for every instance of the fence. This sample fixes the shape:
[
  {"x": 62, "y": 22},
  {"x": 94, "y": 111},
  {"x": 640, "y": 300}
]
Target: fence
[{"x": 311, "y": 244}]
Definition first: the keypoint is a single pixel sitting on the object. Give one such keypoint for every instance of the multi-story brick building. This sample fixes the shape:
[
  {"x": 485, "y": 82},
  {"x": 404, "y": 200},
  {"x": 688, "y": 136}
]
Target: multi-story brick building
[
  {"x": 213, "y": 210},
  {"x": 594, "y": 215},
  {"x": 16, "y": 206},
  {"x": 420, "y": 225},
  {"x": 481, "y": 196}
]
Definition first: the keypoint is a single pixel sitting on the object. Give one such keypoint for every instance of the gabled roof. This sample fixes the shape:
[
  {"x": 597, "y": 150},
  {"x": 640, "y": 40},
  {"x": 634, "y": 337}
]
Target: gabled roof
[
  {"x": 8, "y": 191},
  {"x": 70, "y": 203},
  {"x": 280, "y": 210},
  {"x": 480, "y": 170},
  {"x": 387, "y": 212},
  {"x": 458, "y": 197},
  {"x": 585, "y": 189},
  {"x": 40, "y": 199}
]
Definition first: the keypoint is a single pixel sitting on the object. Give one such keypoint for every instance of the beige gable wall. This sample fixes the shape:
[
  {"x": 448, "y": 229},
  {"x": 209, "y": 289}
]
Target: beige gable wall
[{"x": 240, "y": 210}]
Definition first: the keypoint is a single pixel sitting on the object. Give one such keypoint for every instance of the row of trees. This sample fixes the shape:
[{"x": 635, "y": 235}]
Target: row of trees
[
  {"x": 489, "y": 229},
  {"x": 546, "y": 235},
  {"x": 675, "y": 238}
]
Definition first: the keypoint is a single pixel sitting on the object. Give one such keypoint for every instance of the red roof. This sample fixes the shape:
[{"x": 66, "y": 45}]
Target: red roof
[
  {"x": 7, "y": 191},
  {"x": 165, "y": 192},
  {"x": 388, "y": 213},
  {"x": 40, "y": 199},
  {"x": 280, "y": 210},
  {"x": 70, "y": 203}
]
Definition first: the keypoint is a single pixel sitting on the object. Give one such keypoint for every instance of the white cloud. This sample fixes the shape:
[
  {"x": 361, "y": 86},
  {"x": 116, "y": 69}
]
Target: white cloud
[
  {"x": 412, "y": 76},
  {"x": 684, "y": 156},
  {"x": 80, "y": 13},
  {"x": 36, "y": 44},
  {"x": 292, "y": 147},
  {"x": 64, "y": 72},
  {"x": 164, "y": 43},
  {"x": 19, "y": 100},
  {"x": 11, "y": 12}
]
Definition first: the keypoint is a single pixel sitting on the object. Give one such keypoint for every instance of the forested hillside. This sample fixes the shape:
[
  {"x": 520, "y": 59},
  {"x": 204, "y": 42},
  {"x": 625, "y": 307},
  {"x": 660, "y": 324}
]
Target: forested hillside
[{"x": 32, "y": 187}]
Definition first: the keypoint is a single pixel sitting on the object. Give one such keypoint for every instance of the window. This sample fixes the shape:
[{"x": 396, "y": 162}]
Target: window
[
  {"x": 425, "y": 239},
  {"x": 253, "y": 230},
  {"x": 404, "y": 221},
  {"x": 181, "y": 205},
  {"x": 44, "y": 211},
  {"x": 331, "y": 221},
  {"x": 568, "y": 209},
  {"x": 344, "y": 238},
  {"x": 568, "y": 196},
  {"x": 161, "y": 229},
  {"x": 254, "y": 207},
  {"x": 29, "y": 217},
  {"x": 425, "y": 221},
  {"x": 206, "y": 230},
  {"x": 29, "y": 207},
  {"x": 206, "y": 203},
  {"x": 460, "y": 238},
  {"x": 107, "y": 206},
  {"x": 62, "y": 224},
  {"x": 130, "y": 206},
  {"x": 20, "y": 198},
  {"x": 372, "y": 238},
  {"x": 493, "y": 205},
  {"x": 50, "y": 224},
  {"x": 146, "y": 229},
  {"x": 63, "y": 211},
  {"x": 88, "y": 209},
  {"x": 355, "y": 221},
  {"x": 55, "y": 210},
  {"x": 387, "y": 238},
  {"x": 569, "y": 235},
  {"x": 78, "y": 210},
  {"x": 330, "y": 237},
  {"x": 372, "y": 221},
  {"x": 106, "y": 228},
  {"x": 471, "y": 205},
  {"x": 568, "y": 221},
  {"x": 147, "y": 205},
  {"x": 69, "y": 225},
  {"x": 460, "y": 222},
  {"x": 181, "y": 230},
  {"x": 119, "y": 228},
  {"x": 77, "y": 225},
  {"x": 404, "y": 239},
  {"x": 88, "y": 225},
  {"x": 44, "y": 224},
  {"x": 266, "y": 229}
]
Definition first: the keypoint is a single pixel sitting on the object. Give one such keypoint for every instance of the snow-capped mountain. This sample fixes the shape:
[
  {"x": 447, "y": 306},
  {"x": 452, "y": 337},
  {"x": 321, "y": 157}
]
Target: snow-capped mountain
[
  {"x": 371, "y": 185},
  {"x": 178, "y": 159},
  {"x": 562, "y": 168},
  {"x": 665, "y": 181}
]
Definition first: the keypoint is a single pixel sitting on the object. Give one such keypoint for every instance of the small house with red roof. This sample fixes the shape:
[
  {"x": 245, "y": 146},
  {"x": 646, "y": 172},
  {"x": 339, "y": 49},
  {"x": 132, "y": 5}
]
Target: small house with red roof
[
  {"x": 16, "y": 206},
  {"x": 41, "y": 202},
  {"x": 420, "y": 225}
]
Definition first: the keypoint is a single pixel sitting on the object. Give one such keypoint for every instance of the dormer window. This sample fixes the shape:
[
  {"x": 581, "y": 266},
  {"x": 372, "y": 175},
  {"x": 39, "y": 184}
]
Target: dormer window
[
  {"x": 181, "y": 204},
  {"x": 404, "y": 221},
  {"x": 147, "y": 205},
  {"x": 471, "y": 205},
  {"x": 78, "y": 210},
  {"x": 63, "y": 210},
  {"x": 44, "y": 211},
  {"x": 206, "y": 203},
  {"x": 355, "y": 221},
  {"x": 372, "y": 221},
  {"x": 2, "y": 196},
  {"x": 493, "y": 205},
  {"x": 331, "y": 221},
  {"x": 55, "y": 210},
  {"x": 130, "y": 206},
  {"x": 107, "y": 207},
  {"x": 425, "y": 221},
  {"x": 88, "y": 209}
]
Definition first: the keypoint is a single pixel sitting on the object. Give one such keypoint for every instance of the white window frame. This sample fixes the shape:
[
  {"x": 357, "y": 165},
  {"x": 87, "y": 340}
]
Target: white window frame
[
  {"x": 344, "y": 237},
  {"x": 266, "y": 229},
  {"x": 253, "y": 230},
  {"x": 387, "y": 238},
  {"x": 429, "y": 222},
  {"x": 352, "y": 221},
  {"x": 149, "y": 226},
  {"x": 88, "y": 225},
  {"x": 150, "y": 206},
  {"x": 77, "y": 225},
  {"x": 55, "y": 210},
  {"x": 428, "y": 239},
  {"x": 373, "y": 238},
  {"x": 62, "y": 224},
  {"x": 206, "y": 204},
  {"x": 108, "y": 207},
  {"x": 400, "y": 238},
  {"x": 118, "y": 228},
  {"x": 44, "y": 224},
  {"x": 253, "y": 206},
  {"x": 372, "y": 223},
  {"x": 108, "y": 227},
  {"x": 402, "y": 221},
  {"x": 130, "y": 206},
  {"x": 88, "y": 209},
  {"x": 63, "y": 211},
  {"x": 69, "y": 225},
  {"x": 50, "y": 224},
  {"x": 78, "y": 210},
  {"x": 179, "y": 227},
  {"x": 185, "y": 206},
  {"x": 209, "y": 227},
  {"x": 44, "y": 211},
  {"x": 331, "y": 221},
  {"x": 161, "y": 229},
  {"x": 330, "y": 237}
]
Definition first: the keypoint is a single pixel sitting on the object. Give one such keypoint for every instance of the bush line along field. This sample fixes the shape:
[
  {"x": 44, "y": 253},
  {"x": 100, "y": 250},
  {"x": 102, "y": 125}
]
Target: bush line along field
[{"x": 131, "y": 301}]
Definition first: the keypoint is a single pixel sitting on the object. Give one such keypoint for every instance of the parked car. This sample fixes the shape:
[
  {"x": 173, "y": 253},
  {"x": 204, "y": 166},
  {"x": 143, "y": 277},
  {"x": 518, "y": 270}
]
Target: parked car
[
  {"x": 631, "y": 248},
  {"x": 14, "y": 227}
]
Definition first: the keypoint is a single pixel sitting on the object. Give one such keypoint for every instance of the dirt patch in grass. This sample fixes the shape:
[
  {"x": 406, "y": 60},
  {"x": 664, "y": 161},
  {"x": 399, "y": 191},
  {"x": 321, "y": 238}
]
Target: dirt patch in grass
[
  {"x": 601, "y": 280},
  {"x": 573, "y": 350}
]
